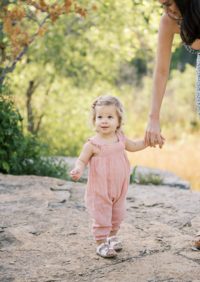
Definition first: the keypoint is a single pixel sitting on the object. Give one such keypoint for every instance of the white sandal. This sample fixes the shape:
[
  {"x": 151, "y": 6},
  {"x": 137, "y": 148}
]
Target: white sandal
[
  {"x": 112, "y": 244},
  {"x": 104, "y": 252}
]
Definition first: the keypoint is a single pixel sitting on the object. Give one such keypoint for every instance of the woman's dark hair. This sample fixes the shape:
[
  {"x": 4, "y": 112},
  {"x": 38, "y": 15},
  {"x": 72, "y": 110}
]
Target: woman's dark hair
[{"x": 190, "y": 21}]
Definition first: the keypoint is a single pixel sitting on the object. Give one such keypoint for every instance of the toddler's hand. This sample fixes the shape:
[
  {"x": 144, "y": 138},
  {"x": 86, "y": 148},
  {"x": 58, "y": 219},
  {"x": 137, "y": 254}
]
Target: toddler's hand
[{"x": 76, "y": 173}]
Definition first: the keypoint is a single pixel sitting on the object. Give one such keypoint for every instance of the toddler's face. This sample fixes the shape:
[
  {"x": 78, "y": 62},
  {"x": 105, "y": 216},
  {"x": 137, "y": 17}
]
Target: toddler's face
[{"x": 107, "y": 120}]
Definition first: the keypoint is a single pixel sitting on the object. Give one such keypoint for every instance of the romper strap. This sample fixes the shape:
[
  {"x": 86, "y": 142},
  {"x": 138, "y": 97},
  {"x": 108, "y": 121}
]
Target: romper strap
[
  {"x": 95, "y": 142},
  {"x": 121, "y": 136}
]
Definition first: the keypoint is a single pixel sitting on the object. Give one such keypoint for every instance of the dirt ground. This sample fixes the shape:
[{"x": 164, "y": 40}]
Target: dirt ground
[{"x": 45, "y": 234}]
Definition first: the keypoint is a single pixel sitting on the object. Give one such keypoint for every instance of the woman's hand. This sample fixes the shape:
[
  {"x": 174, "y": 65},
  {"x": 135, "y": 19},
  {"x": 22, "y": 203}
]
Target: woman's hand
[
  {"x": 163, "y": 140},
  {"x": 153, "y": 133}
]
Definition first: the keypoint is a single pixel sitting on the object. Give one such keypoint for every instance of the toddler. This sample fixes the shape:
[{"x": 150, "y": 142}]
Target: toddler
[{"x": 109, "y": 173}]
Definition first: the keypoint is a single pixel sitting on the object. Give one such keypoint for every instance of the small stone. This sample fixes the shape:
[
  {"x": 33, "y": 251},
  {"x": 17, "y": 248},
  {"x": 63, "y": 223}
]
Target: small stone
[
  {"x": 11, "y": 262},
  {"x": 96, "y": 258},
  {"x": 187, "y": 223},
  {"x": 32, "y": 231},
  {"x": 130, "y": 198},
  {"x": 195, "y": 249},
  {"x": 160, "y": 236},
  {"x": 147, "y": 252},
  {"x": 1, "y": 230},
  {"x": 80, "y": 274},
  {"x": 159, "y": 239},
  {"x": 69, "y": 206},
  {"x": 60, "y": 182},
  {"x": 72, "y": 233},
  {"x": 134, "y": 206},
  {"x": 150, "y": 203}
]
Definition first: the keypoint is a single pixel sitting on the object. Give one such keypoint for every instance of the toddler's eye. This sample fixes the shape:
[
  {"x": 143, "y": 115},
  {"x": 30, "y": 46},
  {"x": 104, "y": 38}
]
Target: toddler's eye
[
  {"x": 110, "y": 117},
  {"x": 100, "y": 117}
]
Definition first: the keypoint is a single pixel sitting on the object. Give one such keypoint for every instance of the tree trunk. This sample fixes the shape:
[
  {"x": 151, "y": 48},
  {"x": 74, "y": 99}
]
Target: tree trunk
[{"x": 29, "y": 94}]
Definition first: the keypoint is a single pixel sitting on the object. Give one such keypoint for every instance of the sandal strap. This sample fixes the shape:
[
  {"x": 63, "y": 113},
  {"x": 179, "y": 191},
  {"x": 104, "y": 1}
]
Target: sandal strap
[
  {"x": 112, "y": 237},
  {"x": 102, "y": 245},
  {"x": 112, "y": 244},
  {"x": 104, "y": 251}
]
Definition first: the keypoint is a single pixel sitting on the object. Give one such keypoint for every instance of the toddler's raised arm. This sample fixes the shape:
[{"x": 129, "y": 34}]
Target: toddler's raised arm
[{"x": 82, "y": 161}]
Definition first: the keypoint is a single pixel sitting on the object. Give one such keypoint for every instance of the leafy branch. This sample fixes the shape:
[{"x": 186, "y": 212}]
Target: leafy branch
[{"x": 12, "y": 17}]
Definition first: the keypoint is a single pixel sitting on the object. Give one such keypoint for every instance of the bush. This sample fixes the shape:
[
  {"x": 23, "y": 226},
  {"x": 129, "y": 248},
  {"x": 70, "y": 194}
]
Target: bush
[{"x": 21, "y": 154}]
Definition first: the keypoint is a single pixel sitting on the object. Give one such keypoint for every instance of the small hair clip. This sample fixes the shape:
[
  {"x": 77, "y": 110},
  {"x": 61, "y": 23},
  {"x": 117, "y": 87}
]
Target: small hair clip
[{"x": 95, "y": 101}]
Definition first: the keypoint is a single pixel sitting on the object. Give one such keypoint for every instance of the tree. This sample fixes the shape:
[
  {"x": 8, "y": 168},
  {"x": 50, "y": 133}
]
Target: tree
[
  {"x": 18, "y": 18},
  {"x": 83, "y": 59}
]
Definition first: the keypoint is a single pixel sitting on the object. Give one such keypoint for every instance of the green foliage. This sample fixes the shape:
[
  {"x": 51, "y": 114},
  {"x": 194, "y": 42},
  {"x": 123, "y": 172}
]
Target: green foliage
[
  {"x": 132, "y": 176},
  {"x": 11, "y": 136},
  {"x": 112, "y": 51},
  {"x": 150, "y": 179},
  {"x": 80, "y": 60},
  {"x": 21, "y": 154}
]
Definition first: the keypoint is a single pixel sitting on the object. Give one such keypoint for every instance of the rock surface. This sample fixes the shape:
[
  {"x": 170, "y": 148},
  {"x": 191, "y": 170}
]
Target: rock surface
[
  {"x": 45, "y": 234},
  {"x": 169, "y": 178}
]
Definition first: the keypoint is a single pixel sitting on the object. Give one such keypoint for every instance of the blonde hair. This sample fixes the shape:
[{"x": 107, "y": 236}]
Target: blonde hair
[{"x": 108, "y": 100}]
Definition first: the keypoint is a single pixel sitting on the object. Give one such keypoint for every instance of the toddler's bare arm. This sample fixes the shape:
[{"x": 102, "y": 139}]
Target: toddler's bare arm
[
  {"x": 138, "y": 145},
  {"x": 82, "y": 161}
]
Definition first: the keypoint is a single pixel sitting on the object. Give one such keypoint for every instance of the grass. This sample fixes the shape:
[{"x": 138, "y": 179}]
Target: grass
[
  {"x": 150, "y": 178},
  {"x": 132, "y": 176},
  {"x": 182, "y": 157}
]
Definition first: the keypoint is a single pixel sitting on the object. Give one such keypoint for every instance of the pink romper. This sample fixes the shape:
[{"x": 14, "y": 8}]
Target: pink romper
[{"x": 107, "y": 185}]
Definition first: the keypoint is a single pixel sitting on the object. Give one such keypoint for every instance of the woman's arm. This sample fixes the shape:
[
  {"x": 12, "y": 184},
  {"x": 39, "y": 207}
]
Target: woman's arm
[
  {"x": 82, "y": 161},
  {"x": 167, "y": 29}
]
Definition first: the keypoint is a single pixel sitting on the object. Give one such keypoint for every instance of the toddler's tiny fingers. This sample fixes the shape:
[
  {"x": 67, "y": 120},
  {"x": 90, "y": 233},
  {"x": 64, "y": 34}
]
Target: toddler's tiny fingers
[{"x": 163, "y": 138}]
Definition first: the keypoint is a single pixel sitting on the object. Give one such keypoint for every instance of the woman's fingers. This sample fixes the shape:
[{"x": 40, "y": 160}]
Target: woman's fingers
[
  {"x": 148, "y": 139},
  {"x": 153, "y": 140},
  {"x": 160, "y": 141},
  {"x": 152, "y": 134}
]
